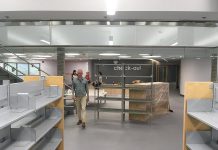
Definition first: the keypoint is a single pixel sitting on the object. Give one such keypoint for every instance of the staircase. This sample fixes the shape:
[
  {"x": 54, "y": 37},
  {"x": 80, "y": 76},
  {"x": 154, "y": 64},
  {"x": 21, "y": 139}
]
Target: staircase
[{"x": 7, "y": 75}]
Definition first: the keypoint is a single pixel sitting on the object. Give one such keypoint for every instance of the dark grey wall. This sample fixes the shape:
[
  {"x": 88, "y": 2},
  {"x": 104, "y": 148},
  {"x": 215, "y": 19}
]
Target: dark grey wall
[{"x": 130, "y": 70}]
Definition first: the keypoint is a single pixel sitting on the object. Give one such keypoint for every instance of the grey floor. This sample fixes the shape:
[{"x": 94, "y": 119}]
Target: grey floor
[{"x": 162, "y": 133}]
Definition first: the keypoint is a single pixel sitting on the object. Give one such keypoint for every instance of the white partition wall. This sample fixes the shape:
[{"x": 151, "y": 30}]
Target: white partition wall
[{"x": 194, "y": 70}]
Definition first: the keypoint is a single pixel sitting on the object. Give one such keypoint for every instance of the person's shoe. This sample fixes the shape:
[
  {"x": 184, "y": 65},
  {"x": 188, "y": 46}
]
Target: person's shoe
[
  {"x": 83, "y": 125},
  {"x": 79, "y": 122}
]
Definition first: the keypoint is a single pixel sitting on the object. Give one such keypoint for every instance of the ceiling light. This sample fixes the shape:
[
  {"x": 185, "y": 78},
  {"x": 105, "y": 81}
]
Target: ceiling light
[
  {"x": 39, "y": 58},
  {"x": 108, "y": 23},
  {"x": 198, "y": 58},
  {"x": 124, "y": 56},
  {"x": 47, "y": 42},
  {"x": 72, "y": 54},
  {"x": 43, "y": 56},
  {"x": 111, "y": 12},
  {"x": 22, "y": 56},
  {"x": 12, "y": 57},
  {"x": 174, "y": 44},
  {"x": 151, "y": 56},
  {"x": 8, "y": 54},
  {"x": 144, "y": 54},
  {"x": 19, "y": 54},
  {"x": 111, "y": 7},
  {"x": 109, "y": 54}
]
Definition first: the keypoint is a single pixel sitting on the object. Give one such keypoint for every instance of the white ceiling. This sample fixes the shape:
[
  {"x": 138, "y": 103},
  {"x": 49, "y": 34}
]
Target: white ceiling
[{"x": 168, "y": 53}]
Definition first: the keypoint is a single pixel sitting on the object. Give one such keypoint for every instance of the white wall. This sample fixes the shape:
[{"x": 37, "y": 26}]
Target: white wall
[
  {"x": 75, "y": 65},
  {"x": 103, "y": 5},
  {"x": 49, "y": 66},
  {"x": 194, "y": 70}
]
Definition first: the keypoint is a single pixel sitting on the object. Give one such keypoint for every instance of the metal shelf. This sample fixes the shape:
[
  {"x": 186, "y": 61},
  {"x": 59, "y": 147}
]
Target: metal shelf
[
  {"x": 110, "y": 110},
  {"x": 44, "y": 101},
  {"x": 126, "y": 99},
  {"x": 122, "y": 87},
  {"x": 8, "y": 116},
  {"x": 199, "y": 147},
  {"x": 109, "y": 98},
  {"x": 209, "y": 118},
  {"x": 50, "y": 142},
  {"x": 28, "y": 135},
  {"x": 137, "y": 112}
]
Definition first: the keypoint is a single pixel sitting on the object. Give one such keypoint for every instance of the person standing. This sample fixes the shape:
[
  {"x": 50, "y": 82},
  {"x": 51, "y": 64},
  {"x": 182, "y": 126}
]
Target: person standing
[
  {"x": 74, "y": 74},
  {"x": 81, "y": 96}
]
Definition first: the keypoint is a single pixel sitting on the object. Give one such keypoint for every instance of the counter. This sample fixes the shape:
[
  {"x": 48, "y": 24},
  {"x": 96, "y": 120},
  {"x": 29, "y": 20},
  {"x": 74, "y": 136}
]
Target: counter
[{"x": 159, "y": 100}]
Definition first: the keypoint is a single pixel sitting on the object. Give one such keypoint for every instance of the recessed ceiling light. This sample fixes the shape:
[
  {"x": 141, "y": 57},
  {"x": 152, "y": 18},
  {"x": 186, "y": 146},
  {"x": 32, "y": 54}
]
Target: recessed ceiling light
[
  {"x": 43, "y": 56},
  {"x": 144, "y": 54},
  {"x": 109, "y": 54},
  {"x": 198, "y": 58},
  {"x": 151, "y": 56},
  {"x": 72, "y": 54},
  {"x": 124, "y": 56}
]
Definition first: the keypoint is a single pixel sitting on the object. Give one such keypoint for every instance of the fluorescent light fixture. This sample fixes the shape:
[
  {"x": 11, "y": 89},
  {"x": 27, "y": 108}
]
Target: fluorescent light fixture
[
  {"x": 198, "y": 58},
  {"x": 19, "y": 54},
  {"x": 174, "y": 44},
  {"x": 109, "y": 54},
  {"x": 213, "y": 56},
  {"x": 8, "y": 54},
  {"x": 144, "y": 54},
  {"x": 124, "y": 56},
  {"x": 151, "y": 56},
  {"x": 22, "y": 56},
  {"x": 43, "y": 56},
  {"x": 12, "y": 57},
  {"x": 47, "y": 42},
  {"x": 39, "y": 58},
  {"x": 108, "y": 23},
  {"x": 72, "y": 54}
]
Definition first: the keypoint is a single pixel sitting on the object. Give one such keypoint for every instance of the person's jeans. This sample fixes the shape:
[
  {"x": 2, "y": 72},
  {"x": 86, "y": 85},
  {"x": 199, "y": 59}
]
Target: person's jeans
[{"x": 81, "y": 107}]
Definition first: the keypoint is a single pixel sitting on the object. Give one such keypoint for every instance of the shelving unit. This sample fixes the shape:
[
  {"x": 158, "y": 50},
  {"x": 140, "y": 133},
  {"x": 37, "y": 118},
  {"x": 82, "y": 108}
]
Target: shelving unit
[
  {"x": 32, "y": 111},
  {"x": 200, "y": 130},
  {"x": 123, "y": 87}
]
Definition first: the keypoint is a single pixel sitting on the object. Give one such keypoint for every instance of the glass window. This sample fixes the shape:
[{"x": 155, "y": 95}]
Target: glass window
[
  {"x": 22, "y": 68},
  {"x": 11, "y": 67},
  {"x": 33, "y": 70}
]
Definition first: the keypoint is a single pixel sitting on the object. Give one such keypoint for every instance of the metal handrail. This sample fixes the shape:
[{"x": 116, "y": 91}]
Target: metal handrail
[
  {"x": 6, "y": 49},
  {"x": 11, "y": 67},
  {"x": 1, "y": 46}
]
